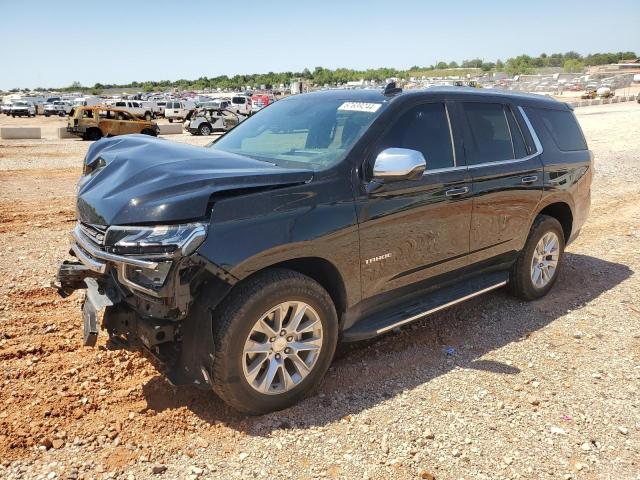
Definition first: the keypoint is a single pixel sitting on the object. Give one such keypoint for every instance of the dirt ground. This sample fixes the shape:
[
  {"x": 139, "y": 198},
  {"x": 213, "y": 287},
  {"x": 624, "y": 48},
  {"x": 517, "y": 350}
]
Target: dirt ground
[{"x": 492, "y": 389}]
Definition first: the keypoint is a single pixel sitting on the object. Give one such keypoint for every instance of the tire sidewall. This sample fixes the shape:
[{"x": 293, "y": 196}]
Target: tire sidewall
[
  {"x": 254, "y": 308},
  {"x": 548, "y": 224}
]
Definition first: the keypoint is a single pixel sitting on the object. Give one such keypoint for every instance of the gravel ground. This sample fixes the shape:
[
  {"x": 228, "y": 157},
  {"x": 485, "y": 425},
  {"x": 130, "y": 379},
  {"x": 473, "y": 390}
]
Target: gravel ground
[{"x": 492, "y": 389}]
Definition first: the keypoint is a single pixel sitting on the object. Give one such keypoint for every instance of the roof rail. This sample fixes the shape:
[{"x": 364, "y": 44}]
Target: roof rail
[{"x": 391, "y": 89}]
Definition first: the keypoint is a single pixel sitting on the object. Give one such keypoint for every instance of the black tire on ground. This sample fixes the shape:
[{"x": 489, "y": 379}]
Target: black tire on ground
[
  {"x": 147, "y": 116},
  {"x": 149, "y": 131},
  {"x": 205, "y": 129},
  {"x": 236, "y": 316},
  {"x": 93, "y": 134},
  {"x": 170, "y": 120},
  {"x": 520, "y": 281},
  {"x": 46, "y": 114},
  {"x": 61, "y": 114}
]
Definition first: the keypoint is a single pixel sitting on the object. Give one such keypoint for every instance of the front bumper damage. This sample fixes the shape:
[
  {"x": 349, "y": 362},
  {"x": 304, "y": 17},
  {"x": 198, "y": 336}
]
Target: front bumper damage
[{"x": 166, "y": 322}]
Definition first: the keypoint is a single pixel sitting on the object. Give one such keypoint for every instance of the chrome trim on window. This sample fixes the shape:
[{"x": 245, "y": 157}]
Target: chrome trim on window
[
  {"x": 536, "y": 142},
  {"x": 453, "y": 145}
]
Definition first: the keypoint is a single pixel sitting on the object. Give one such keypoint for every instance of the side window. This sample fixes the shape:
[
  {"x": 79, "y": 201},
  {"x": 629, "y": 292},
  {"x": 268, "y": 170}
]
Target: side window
[
  {"x": 490, "y": 136},
  {"x": 563, "y": 127},
  {"x": 424, "y": 128},
  {"x": 519, "y": 147}
]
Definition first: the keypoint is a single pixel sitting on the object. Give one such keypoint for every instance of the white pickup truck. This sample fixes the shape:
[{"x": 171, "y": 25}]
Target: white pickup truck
[
  {"x": 58, "y": 107},
  {"x": 136, "y": 108}
]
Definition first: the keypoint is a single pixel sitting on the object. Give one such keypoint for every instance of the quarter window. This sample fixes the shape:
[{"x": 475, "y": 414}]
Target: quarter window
[
  {"x": 490, "y": 134},
  {"x": 563, "y": 127},
  {"x": 424, "y": 128}
]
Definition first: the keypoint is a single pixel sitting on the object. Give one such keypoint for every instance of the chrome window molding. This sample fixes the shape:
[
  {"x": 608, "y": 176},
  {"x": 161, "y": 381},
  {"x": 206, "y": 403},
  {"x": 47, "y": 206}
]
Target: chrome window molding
[{"x": 453, "y": 144}]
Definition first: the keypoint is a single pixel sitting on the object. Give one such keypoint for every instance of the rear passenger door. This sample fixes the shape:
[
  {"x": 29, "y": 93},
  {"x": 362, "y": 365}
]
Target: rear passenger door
[{"x": 507, "y": 178}]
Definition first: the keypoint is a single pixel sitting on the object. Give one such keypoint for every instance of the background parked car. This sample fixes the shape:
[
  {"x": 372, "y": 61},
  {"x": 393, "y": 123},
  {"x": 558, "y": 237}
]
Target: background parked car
[
  {"x": 178, "y": 109},
  {"x": 5, "y": 108},
  {"x": 204, "y": 121},
  {"x": 241, "y": 104},
  {"x": 23, "y": 109},
  {"x": 59, "y": 108},
  {"x": 261, "y": 100},
  {"x": 93, "y": 123},
  {"x": 137, "y": 108}
]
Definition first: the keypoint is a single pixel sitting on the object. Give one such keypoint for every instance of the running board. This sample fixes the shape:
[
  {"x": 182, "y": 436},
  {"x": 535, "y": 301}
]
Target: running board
[{"x": 382, "y": 322}]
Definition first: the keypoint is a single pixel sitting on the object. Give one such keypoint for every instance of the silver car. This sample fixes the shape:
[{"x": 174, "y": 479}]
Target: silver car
[{"x": 204, "y": 121}]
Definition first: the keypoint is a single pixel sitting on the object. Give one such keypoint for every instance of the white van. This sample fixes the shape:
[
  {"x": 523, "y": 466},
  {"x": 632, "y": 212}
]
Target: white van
[
  {"x": 241, "y": 104},
  {"x": 178, "y": 109}
]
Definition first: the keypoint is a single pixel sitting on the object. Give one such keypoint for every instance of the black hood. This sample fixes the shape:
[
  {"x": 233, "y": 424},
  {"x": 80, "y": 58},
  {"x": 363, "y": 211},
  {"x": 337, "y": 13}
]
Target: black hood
[{"x": 140, "y": 179}]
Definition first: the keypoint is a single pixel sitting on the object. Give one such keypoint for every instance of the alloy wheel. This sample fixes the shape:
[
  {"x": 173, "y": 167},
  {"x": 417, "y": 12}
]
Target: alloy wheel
[
  {"x": 282, "y": 348},
  {"x": 544, "y": 261}
]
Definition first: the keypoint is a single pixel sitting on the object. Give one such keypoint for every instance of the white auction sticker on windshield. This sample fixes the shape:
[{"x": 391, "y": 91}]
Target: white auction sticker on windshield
[{"x": 360, "y": 107}]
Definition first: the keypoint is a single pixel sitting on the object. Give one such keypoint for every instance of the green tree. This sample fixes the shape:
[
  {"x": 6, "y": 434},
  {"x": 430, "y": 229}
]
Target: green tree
[{"x": 573, "y": 66}]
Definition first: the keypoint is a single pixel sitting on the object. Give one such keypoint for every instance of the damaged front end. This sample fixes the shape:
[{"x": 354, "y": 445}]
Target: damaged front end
[{"x": 141, "y": 284}]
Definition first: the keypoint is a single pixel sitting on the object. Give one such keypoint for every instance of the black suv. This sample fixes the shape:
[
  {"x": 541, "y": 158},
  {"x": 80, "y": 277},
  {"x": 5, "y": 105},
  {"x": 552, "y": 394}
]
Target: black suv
[{"x": 336, "y": 215}]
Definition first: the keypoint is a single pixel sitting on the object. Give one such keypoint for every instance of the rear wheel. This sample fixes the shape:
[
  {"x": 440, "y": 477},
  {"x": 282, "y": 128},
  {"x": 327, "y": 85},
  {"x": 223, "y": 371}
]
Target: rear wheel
[
  {"x": 204, "y": 129},
  {"x": 147, "y": 116},
  {"x": 274, "y": 342},
  {"x": 170, "y": 120},
  {"x": 538, "y": 264},
  {"x": 93, "y": 134},
  {"x": 148, "y": 131}
]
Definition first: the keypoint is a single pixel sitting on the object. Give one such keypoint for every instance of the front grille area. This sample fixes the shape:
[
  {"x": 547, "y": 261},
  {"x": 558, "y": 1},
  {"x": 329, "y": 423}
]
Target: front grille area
[{"x": 95, "y": 233}]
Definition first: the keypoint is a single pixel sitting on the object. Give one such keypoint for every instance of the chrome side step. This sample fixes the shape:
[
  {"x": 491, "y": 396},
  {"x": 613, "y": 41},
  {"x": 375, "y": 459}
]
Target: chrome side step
[
  {"x": 420, "y": 305},
  {"x": 440, "y": 307}
]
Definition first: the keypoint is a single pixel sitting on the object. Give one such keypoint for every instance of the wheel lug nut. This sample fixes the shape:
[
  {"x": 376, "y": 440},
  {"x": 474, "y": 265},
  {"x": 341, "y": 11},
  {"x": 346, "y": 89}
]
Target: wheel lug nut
[
  {"x": 289, "y": 339},
  {"x": 272, "y": 339},
  {"x": 283, "y": 332},
  {"x": 277, "y": 356},
  {"x": 287, "y": 350}
]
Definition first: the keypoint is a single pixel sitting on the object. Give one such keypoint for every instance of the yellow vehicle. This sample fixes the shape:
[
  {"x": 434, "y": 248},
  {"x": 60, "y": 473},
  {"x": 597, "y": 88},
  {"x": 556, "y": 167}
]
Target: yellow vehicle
[
  {"x": 589, "y": 95},
  {"x": 95, "y": 122}
]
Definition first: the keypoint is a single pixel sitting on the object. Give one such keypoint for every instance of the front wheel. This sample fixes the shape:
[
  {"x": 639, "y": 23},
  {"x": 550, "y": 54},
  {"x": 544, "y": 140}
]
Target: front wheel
[
  {"x": 274, "y": 339},
  {"x": 538, "y": 264},
  {"x": 204, "y": 129},
  {"x": 170, "y": 120}
]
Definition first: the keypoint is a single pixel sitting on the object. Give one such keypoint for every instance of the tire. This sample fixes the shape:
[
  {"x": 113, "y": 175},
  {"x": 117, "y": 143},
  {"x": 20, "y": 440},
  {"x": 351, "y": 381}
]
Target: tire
[
  {"x": 93, "y": 134},
  {"x": 523, "y": 272},
  {"x": 205, "y": 129},
  {"x": 147, "y": 116},
  {"x": 148, "y": 131},
  {"x": 238, "y": 315},
  {"x": 46, "y": 115},
  {"x": 170, "y": 120}
]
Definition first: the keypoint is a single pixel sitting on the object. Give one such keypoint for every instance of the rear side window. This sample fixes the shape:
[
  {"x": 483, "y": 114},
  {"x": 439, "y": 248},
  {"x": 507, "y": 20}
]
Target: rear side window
[
  {"x": 490, "y": 133},
  {"x": 424, "y": 128},
  {"x": 238, "y": 100},
  {"x": 563, "y": 127}
]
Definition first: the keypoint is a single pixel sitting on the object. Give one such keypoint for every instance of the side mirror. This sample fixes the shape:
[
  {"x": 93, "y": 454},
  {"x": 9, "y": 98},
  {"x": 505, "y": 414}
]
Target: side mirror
[{"x": 394, "y": 164}]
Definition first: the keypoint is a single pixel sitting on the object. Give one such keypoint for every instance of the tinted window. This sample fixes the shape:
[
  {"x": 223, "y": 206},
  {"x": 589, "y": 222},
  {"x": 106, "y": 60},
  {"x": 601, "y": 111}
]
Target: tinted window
[
  {"x": 490, "y": 137},
  {"x": 239, "y": 100},
  {"x": 519, "y": 146},
  {"x": 424, "y": 128},
  {"x": 563, "y": 127}
]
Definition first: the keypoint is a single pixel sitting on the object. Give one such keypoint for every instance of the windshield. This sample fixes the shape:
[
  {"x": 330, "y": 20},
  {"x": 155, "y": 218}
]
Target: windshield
[{"x": 301, "y": 130}]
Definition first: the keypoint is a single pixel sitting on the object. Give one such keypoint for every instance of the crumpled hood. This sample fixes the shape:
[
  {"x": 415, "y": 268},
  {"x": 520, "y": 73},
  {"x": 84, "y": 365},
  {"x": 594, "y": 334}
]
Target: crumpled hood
[{"x": 140, "y": 179}]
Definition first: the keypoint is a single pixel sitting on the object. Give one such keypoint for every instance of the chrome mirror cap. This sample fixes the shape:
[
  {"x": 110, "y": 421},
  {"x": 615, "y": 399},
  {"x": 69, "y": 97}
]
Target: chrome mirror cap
[{"x": 393, "y": 164}]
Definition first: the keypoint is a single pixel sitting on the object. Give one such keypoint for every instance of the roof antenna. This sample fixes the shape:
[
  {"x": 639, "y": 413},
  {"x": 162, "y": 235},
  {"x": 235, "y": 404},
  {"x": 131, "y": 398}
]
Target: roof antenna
[{"x": 391, "y": 89}]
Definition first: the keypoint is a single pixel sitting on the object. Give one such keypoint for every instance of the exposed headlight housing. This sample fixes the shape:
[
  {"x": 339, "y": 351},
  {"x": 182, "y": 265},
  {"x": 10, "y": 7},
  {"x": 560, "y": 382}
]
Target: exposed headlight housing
[{"x": 161, "y": 239}]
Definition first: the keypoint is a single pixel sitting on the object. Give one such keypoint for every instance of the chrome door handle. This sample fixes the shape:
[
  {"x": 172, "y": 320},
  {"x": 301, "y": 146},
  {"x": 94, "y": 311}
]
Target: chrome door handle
[
  {"x": 529, "y": 179},
  {"x": 456, "y": 192}
]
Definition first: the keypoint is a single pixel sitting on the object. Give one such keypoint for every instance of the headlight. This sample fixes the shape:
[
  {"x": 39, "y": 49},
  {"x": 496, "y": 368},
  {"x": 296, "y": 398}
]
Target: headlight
[{"x": 156, "y": 240}]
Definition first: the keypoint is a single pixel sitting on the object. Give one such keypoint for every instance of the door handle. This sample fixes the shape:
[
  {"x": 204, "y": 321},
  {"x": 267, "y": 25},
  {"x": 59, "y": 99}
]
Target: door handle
[
  {"x": 456, "y": 192},
  {"x": 529, "y": 179}
]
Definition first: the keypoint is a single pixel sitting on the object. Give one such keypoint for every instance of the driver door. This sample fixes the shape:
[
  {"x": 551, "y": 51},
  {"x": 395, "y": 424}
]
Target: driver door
[{"x": 414, "y": 230}]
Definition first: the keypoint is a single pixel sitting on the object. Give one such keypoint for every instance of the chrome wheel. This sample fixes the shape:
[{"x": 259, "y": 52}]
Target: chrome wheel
[
  {"x": 282, "y": 348},
  {"x": 545, "y": 259},
  {"x": 205, "y": 130}
]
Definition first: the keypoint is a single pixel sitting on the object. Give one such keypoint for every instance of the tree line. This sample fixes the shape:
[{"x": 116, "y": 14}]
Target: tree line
[{"x": 522, "y": 64}]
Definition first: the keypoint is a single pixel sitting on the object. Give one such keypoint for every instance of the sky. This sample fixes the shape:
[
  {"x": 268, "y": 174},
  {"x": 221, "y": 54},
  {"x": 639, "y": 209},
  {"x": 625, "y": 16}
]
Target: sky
[{"x": 52, "y": 43}]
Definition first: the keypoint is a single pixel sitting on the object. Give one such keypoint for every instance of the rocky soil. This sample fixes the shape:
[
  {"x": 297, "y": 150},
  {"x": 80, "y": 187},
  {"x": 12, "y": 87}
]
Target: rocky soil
[{"x": 492, "y": 389}]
